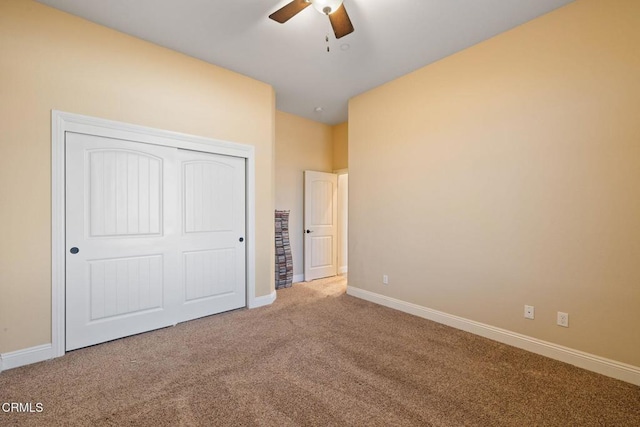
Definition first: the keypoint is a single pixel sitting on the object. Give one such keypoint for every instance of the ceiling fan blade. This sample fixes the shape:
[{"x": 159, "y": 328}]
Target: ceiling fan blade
[
  {"x": 289, "y": 10},
  {"x": 340, "y": 22}
]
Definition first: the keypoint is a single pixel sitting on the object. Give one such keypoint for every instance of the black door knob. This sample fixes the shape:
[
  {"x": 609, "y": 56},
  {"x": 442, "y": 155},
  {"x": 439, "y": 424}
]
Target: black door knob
[
  {"x": 241, "y": 239},
  {"x": 309, "y": 231},
  {"x": 74, "y": 250}
]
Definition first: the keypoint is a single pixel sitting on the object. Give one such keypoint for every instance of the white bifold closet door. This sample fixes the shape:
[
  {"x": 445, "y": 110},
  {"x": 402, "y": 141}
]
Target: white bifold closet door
[{"x": 155, "y": 236}]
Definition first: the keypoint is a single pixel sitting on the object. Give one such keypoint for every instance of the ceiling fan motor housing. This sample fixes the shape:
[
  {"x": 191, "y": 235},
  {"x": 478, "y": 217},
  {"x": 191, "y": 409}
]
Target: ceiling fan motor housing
[{"x": 326, "y": 6}]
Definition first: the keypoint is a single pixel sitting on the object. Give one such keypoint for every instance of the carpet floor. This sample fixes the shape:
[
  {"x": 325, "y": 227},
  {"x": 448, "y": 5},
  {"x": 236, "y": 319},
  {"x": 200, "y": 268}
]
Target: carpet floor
[{"x": 316, "y": 357}]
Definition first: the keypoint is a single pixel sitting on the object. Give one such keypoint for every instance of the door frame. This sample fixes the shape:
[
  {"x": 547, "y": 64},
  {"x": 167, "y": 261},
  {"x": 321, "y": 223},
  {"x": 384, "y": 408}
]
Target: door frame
[
  {"x": 62, "y": 122},
  {"x": 341, "y": 236}
]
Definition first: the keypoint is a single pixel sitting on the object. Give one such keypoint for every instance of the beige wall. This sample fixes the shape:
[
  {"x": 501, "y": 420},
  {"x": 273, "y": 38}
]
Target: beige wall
[
  {"x": 52, "y": 60},
  {"x": 340, "y": 136},
  {"x": 301, "y": 144},
  {"x": 509, "y": 174}
]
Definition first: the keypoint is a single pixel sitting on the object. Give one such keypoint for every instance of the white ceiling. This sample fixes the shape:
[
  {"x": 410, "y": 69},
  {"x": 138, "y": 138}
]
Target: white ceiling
[{"x": 391, "y": 38}]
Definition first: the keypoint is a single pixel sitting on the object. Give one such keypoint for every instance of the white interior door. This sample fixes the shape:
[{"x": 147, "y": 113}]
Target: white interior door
[
  {"x": 212, "y": 233},
  {"x": 149, "y": 237},
  {"x": 320, "y": 219}
]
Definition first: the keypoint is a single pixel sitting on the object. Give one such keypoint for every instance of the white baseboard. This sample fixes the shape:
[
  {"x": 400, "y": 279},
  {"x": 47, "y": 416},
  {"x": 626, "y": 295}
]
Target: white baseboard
[
  {"x": 263, "y": 300},
  {"x": 591, "y": 362},
  {"x": 27, "y": 356},
  {"x": 343, "y": 270},
  {"x": 298, "y": 278}
]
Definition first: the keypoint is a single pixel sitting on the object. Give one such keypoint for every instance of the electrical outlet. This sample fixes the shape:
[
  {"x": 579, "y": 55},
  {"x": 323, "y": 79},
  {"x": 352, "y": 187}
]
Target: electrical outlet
[
  {"x": 563, "y": 319},
  {"x": 529, "y": 312},
  {"x": 385, "y": 279}
]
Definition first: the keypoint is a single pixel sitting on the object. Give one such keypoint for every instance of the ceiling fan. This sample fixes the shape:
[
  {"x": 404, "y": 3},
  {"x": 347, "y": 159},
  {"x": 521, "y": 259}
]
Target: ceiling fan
[{"x": 334, "y": 9}]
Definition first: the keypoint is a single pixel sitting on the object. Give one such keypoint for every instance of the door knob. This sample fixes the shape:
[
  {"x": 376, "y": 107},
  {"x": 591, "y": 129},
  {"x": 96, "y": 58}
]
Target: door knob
[
  {"x": 309, "y": 231},
  {"x": 241, "y": 239},
  {"x": 74, "y": 250}
]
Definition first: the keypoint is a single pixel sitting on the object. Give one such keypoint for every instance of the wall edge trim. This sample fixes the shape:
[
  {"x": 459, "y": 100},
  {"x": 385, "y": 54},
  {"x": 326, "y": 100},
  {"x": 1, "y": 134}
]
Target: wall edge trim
[
  {"x": 263, "y": 300},
  {"x": 590, "y": 362},
  {"x": 26, "y": 356}
]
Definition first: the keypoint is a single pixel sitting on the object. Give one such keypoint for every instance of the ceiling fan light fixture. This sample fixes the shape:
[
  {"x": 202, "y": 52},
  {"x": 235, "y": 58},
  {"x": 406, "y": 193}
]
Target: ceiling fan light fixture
[
  {"x": 333, "y": 9},
  {"x": 326, "y": 7}
]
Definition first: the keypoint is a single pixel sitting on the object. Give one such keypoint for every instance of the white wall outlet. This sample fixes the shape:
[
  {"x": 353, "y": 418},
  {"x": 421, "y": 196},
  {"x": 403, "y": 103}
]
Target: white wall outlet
[
  {"x": 385, "y": 279},
  {"x": 563, "y": 319},
  {"x": 529, "y": 312}
]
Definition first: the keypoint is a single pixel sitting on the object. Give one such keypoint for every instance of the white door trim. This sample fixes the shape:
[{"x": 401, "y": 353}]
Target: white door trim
[
  {"x": 62, "y": 122},
  {"x": 342, "y": 220}
]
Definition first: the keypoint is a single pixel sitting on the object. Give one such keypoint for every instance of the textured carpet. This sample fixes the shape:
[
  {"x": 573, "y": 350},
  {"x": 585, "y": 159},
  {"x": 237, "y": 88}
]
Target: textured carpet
[{"x": 315, "y": 357}]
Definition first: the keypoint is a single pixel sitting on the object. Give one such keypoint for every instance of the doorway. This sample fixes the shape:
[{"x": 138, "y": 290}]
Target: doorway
[{"x": 325, "y": 224}]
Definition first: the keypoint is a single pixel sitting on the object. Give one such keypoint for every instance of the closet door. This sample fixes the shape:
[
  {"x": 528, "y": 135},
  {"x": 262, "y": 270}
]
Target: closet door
[
  {"x": 155, "y": 236},
  {"x": 121, "y": 199},
  {"x": 212, "y": 233}
]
